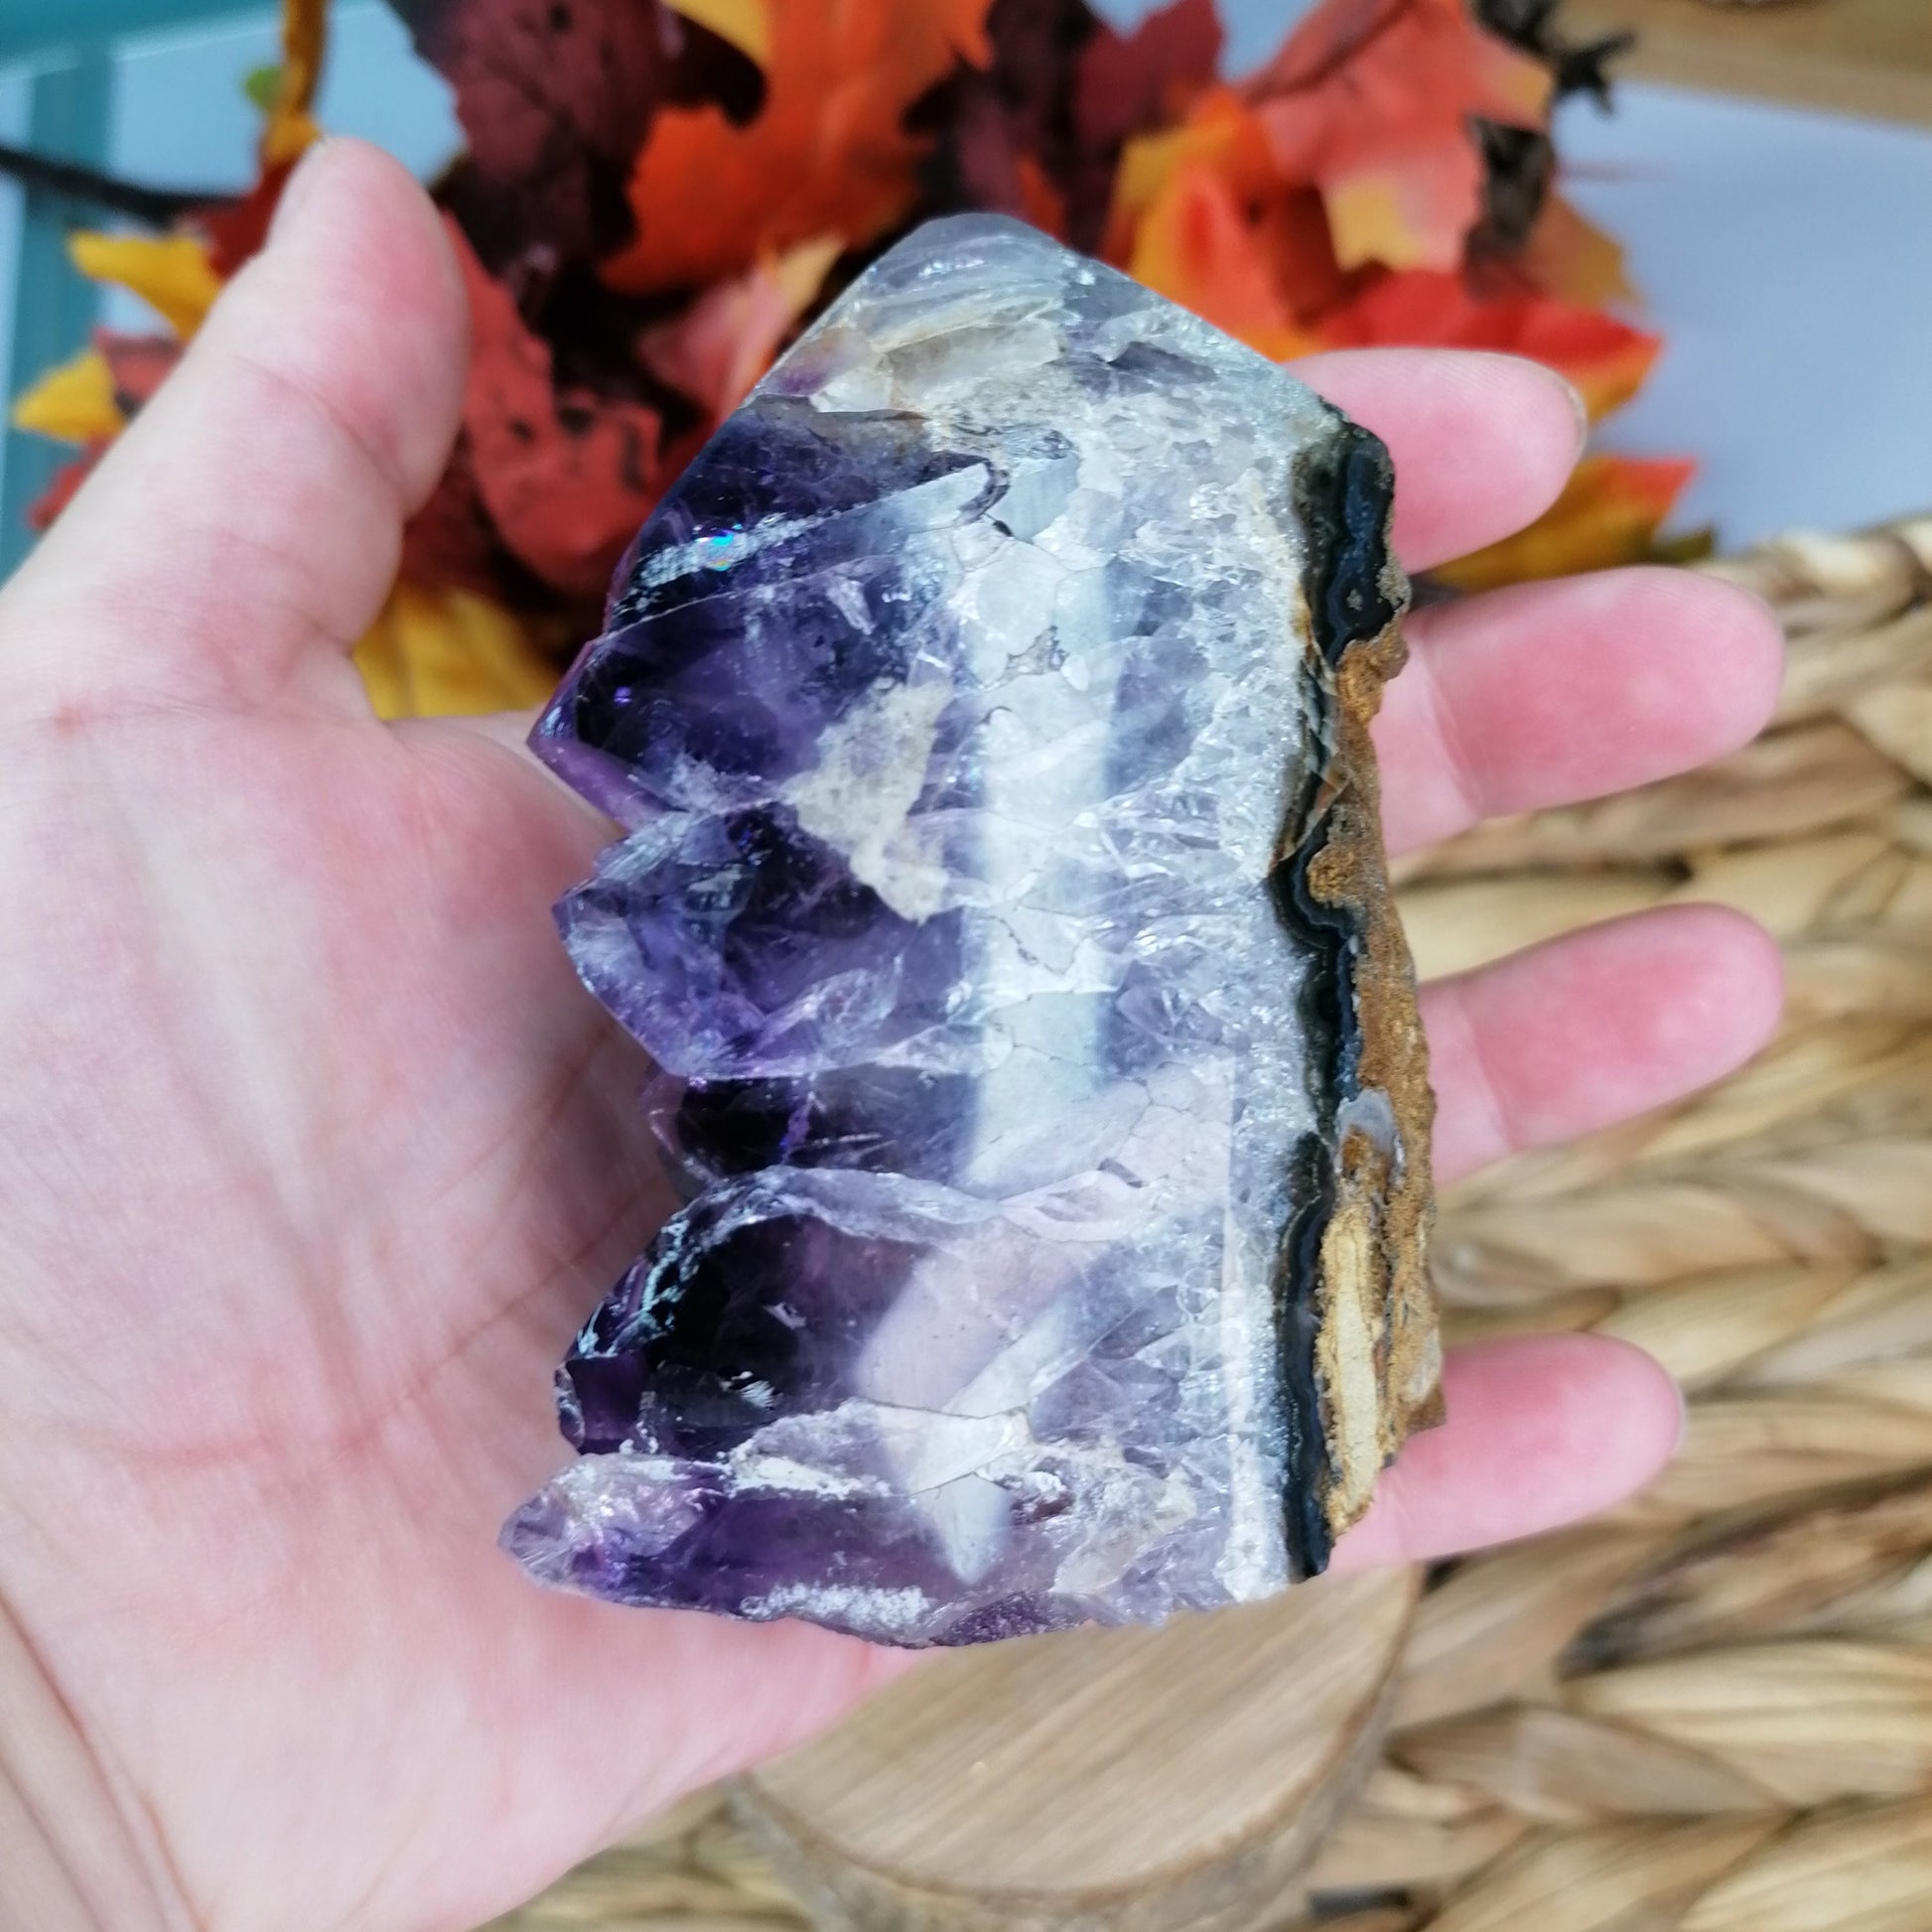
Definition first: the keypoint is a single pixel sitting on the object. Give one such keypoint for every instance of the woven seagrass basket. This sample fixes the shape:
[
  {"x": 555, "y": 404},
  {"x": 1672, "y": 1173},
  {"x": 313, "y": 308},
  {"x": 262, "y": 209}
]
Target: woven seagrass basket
[{"x": 1712, "y": 1711}]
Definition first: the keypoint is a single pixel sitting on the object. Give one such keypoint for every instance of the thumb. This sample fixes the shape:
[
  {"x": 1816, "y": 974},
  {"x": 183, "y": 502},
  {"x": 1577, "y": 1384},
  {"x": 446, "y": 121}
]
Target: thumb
[{"x": 238, "y": 539}]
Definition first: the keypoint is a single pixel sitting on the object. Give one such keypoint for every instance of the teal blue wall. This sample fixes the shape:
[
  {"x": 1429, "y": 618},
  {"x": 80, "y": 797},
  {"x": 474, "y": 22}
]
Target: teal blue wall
[{"x": 162, "y": 104}]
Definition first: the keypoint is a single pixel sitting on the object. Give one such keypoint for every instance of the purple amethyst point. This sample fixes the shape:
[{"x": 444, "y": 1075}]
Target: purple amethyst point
[{"x": 1002, "y": 904}]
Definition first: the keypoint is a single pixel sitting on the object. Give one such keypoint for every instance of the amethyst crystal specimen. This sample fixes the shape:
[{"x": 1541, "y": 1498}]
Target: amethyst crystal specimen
[{"x": 982, "y": 708}]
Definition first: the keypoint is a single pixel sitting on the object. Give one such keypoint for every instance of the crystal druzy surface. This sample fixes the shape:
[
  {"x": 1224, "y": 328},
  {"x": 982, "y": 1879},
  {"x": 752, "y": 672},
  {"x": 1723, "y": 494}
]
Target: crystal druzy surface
[{"x": 1000, "y": 903}]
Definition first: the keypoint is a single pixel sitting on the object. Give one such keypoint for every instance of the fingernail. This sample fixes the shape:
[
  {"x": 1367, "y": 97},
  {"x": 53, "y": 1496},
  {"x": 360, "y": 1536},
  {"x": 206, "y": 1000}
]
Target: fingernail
[{"x": 297, "y": 190}]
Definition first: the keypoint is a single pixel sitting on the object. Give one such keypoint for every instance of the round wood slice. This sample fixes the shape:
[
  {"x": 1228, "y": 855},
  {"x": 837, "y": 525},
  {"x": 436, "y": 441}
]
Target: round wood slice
[{"x": 1105, "y": 1780}]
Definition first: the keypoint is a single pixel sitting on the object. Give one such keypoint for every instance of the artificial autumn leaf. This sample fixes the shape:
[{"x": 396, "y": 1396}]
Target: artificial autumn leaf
[
  {"x": 1606, "y": 360},
  {"x": 1006, "y": 135},
  {"x": 46, "y": 507},
  {"x": 1568, "y": 255},
  {"x": 72, "y": 403},
  {"x": 747, "y": 24},
  {"x": 1254, "y": 249},
  {"x": 719, "y": 346},
  {"x": 556, "y": 97},
  {"x": 1220, "y": 134},
  {"x": 1371, "y": 101},
  {"x": 1127, "y": 83},
  {"x": 236, "y": 233},
  {"x": 291, "y": 128},
  {"x": 828, "y": 154},
  {"x": 173, "y": 274},
  {"x": 452, "y": 544},
  {"x": 139, "y": 364},
  {"x": 439, "y": 652},
  {"x": 94, "y": 396},
  {"x": 1196, "y": 246},
  {"x": 90, "y": 400},
  {"x": 567, "y": 474},
  {"x": 1607, "y": 514}
]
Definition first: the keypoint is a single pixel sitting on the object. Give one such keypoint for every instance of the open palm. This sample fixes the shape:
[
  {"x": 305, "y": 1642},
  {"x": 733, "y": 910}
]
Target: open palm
[{"x": 313, "y": 1154}]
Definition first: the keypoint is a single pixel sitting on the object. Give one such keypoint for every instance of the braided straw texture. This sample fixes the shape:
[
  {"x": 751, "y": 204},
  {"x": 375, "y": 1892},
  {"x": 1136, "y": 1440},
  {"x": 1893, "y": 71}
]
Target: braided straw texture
[{"x": 1712, "y": 1711}]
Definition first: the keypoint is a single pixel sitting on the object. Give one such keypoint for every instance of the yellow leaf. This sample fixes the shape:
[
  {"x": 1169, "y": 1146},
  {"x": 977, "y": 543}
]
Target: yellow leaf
[
  {"x": 800, "y": 273},
  {"x": 291, "y": 129},
  {"x": 747, "y": 24},
  {"x": 74, "y": 403},
  {"x": 1372, "y": 222},
  {"x": 171, "y": 274},
  {"x": 435, "y": 654},
  {"x": 1607, "y": 514}
]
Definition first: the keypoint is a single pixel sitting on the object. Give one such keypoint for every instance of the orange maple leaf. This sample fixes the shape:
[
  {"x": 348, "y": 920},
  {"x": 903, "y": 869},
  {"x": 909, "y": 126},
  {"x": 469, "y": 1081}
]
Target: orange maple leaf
[
  {"x": 828, "y": 153},
  {"x": 1371, "y": 100},
  {"x": 1570, "y": 256},
  {"x": 1199, "y": 213},
  {"x": 1197, "y": 247},
  {"x": 1605, "y": 359},
  {"x": 1219, "y": 133},
  {"x": 1607, "y": 514}
]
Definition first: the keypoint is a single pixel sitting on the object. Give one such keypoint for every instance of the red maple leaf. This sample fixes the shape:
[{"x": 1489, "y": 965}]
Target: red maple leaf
[
  {"x": 1371, "y": 100},
  {"x": 1607, "y": 360},
  {"x": 237, "y": 231},
  {"x": 1129, "y": 82},
  {"x": 567, "y": 474}
]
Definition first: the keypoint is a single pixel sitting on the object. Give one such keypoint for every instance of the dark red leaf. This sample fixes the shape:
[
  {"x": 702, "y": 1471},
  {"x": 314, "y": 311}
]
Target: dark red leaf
[
  {"x": 1007, "y": 134},
  {"x": 556, "y": 97},
  {"x": 237, "y": 231},
  {"x": 58, "y": 493},
  {"x": 450, "y": 542},
  {"x": 1131, "y": 83}
]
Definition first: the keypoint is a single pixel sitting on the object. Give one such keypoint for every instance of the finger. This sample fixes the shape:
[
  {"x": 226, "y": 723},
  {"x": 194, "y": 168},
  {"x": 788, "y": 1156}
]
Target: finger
[
  {"x": 245, "y": 529},
  {"x": 1542, "y": 1431},
  {"x": 510, "y": 728},
  {"x": 1595, "y": 1027},
  {"x": 521, "y": 792},
  {"x": 1544, "y": 694},
  {"x": 1483, "y": 444}
]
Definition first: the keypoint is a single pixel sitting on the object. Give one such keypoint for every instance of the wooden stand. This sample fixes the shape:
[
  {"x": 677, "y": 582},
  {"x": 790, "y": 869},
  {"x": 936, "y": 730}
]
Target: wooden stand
[{"x": 1103, "y": 1782}]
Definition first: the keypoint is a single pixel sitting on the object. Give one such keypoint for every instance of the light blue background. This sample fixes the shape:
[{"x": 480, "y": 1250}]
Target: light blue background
[{"x": 1786, "y": 255}]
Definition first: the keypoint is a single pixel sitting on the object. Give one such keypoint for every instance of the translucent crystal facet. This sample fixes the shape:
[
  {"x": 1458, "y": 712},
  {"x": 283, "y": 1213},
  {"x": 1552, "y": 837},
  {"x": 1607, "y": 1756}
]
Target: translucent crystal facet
[{"x": 977, "y": 711}]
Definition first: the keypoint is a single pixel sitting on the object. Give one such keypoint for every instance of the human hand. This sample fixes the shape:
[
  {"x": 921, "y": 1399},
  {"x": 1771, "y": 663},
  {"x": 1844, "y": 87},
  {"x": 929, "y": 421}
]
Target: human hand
[{"x": 313, "y": 1153}]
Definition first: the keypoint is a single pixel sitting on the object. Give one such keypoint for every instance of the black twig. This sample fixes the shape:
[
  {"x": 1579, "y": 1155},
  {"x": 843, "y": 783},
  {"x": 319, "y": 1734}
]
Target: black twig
[{"x": 158, "y": 207}]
